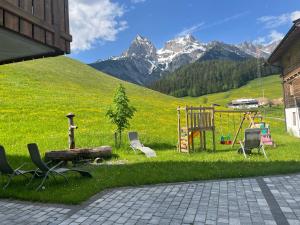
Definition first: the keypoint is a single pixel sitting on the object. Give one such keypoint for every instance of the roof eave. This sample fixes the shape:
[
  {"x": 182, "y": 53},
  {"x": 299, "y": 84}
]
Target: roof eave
[{"x": 274, "y": 58}]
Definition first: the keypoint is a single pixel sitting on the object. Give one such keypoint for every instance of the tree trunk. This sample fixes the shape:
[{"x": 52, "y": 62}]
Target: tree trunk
[
  {"x": 116, "y": 139},
  {"x": 120, "y": 134}
]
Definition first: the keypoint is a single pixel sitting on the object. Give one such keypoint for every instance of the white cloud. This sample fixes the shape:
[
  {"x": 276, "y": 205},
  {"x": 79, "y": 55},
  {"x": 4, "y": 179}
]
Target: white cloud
[
  {"x": 137, "y": 1},
  {"x": 190, "y": 30},
  {"x": 94, "y": 21},
  {"x": 271, "y": 22},
  {"x": 273, "y": 36},
  {"x": 295, "y": 15},
  {"x": 203, "y": 26}
]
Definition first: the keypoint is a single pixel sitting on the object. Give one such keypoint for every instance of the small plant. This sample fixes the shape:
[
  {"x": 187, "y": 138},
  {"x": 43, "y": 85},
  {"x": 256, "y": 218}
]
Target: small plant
[
  {"x": 204, "y": 100},
  {"x": 120, "y": 113}
]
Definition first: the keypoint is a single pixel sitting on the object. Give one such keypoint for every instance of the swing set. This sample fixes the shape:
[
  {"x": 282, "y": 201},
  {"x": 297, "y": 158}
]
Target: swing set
[
  {"x": 197, "y": 121},
  {"x": 229, "y": 138}
]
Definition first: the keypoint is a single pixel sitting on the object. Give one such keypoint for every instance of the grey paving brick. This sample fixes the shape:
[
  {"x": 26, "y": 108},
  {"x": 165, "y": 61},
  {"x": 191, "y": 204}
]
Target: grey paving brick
[{"x": 239, "y": 201}]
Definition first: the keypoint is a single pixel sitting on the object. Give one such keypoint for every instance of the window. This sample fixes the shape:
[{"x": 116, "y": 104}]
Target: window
[{"x": 294, "y": 119}]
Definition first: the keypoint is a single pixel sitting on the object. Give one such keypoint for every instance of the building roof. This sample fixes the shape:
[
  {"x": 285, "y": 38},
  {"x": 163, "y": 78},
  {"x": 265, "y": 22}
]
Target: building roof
[
  {"x": 33, "y": 29},
  {"x": 287, "y": 41}
]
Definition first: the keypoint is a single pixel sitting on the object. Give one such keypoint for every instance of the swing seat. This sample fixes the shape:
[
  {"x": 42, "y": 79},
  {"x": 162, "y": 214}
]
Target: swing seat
[
  {"x": 229, "y": 142},
  {"x": 226, "y": 140}
]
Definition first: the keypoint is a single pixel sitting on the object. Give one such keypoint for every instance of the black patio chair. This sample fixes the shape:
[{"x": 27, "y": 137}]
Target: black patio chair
[
  {"x": 45, "y": 171},
  {"x": 7, "y": 170},
  {"x": 252, "y": 140}
]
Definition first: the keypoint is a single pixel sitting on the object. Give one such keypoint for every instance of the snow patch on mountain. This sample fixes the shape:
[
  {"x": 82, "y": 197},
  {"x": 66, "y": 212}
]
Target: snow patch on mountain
[
  {"x": 257, "y": 49},
  {"x": 174, "y": 49}
]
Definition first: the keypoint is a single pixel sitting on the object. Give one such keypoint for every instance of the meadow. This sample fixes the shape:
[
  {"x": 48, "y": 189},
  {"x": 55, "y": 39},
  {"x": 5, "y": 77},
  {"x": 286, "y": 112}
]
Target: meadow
[{"x": 36, "y": 96}]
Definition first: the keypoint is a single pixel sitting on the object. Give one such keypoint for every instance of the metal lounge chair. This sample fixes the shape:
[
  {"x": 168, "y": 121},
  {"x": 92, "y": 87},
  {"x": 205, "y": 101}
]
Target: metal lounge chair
[
  {"x": 45, "y": 171},
  {"x": 252, "y": 140},
  {"x": 135, "y": 144},
  {"x": 7, "y": 170}
]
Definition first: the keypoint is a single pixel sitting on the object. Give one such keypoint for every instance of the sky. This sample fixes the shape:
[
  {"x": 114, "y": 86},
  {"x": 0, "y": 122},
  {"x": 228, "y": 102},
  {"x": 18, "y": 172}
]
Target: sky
[{"x": 105, "y": 28}]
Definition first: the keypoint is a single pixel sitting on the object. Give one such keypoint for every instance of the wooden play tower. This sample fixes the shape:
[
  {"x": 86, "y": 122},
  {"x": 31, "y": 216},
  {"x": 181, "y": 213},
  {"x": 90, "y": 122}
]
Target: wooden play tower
[{"x": 197, "y": 121}]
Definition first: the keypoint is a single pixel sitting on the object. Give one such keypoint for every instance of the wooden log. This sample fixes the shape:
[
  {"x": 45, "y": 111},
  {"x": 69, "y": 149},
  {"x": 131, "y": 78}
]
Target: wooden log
[{"x": 78, "y": 154}]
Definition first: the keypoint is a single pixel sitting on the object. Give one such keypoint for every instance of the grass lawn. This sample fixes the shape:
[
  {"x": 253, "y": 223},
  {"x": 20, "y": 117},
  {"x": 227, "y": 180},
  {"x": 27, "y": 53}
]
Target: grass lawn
[{"x": 36, "y": 96}]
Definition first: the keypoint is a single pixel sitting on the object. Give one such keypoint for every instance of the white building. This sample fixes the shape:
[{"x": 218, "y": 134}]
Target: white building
[{"x": 243, "y": 103}]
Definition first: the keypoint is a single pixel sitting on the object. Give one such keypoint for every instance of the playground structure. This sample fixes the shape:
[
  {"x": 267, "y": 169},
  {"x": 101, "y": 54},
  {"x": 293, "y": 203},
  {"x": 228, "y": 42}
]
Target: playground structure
[{"x": 199, "y": 120}]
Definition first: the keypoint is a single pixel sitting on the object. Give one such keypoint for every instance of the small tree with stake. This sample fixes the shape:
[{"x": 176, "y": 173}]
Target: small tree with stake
[{"x": 120, "y": 113}]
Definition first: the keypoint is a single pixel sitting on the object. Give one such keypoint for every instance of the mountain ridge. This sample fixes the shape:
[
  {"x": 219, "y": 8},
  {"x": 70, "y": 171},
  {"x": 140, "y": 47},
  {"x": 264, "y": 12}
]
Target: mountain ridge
[{"x": 142, "y": 63}]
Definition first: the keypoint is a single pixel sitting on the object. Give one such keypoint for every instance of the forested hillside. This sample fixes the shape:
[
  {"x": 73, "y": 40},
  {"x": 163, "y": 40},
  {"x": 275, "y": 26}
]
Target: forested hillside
[{"x": 211, "y": 76}]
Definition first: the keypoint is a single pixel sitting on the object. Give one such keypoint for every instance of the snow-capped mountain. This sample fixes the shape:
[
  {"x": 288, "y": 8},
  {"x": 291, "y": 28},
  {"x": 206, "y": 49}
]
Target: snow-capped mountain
[
  {"x": 141, "y": 48},
  {"x": 258, "y": 50},
  {"x": 180, "y": 51},
  {"x": 142, "y": 63},
  {"x": 217, "y": 50},
  {"x": 138, "y": 64}
]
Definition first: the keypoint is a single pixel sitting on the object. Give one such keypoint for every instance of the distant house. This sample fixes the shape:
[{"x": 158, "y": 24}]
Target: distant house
[
  {"x": 243, "y": 104},
  {"x": 287, "y": 57},
  {"x": 33, "y": 29}
]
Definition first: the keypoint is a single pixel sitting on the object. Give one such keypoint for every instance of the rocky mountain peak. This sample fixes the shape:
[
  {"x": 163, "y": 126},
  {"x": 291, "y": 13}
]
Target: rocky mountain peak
[
  {"x": 258, "y": 49},
  {"x": 141, "y": 63},
  {"x": 141, "y": 47},
  {"x": 181, "y": 43}
]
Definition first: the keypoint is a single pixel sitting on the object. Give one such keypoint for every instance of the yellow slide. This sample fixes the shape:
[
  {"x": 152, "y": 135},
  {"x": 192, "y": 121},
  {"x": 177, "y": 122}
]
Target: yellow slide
[{"x": 193, "y": 135}]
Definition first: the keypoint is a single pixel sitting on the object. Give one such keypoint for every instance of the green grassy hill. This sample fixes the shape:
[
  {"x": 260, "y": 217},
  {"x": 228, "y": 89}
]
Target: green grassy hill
[
  {"x": 35, "y": 97},
  {"x": 269, "y": 86}
]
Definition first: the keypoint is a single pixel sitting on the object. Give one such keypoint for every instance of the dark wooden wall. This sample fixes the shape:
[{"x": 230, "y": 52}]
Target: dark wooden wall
[
  {"x": 290, "y": 62},
  {"x": 292, "y": 91},
  {"x": 291, "y": 57},
  {"x": 45, "y": 21}
]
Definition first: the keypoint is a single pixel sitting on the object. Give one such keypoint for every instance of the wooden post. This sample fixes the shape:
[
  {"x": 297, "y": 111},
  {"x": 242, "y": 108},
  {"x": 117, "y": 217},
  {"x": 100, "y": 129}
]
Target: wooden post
[
  {"x": 213, "y": 131},
  {"x": 187, "y": 128},
  {"x": 192, "y": 127},
  {"x": 204, "y": 140},
  {"x": 179, "y": 130},
  {"x": 72, "y": 127},
  {"x": 252, "y": 122},
  {"x": 200, "y": 128},
  {"x": 238, "y": 131}
]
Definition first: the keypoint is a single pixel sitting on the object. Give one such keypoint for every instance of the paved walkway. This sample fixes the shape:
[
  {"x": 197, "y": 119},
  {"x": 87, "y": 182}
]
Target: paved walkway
[{"x": 270, "y": 200}]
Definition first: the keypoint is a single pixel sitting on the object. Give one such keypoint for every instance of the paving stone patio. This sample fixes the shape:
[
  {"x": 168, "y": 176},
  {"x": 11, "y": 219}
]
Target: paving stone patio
[{"x": 270, "y": 200}]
